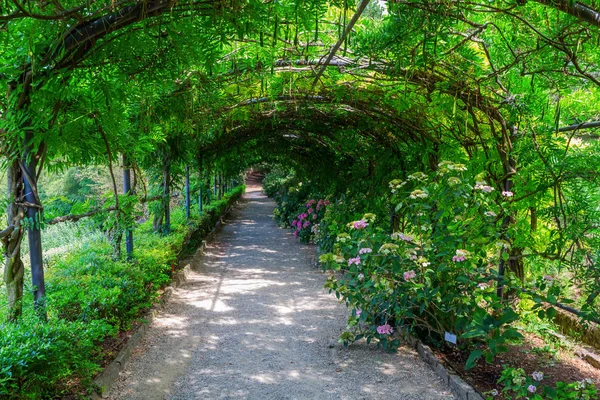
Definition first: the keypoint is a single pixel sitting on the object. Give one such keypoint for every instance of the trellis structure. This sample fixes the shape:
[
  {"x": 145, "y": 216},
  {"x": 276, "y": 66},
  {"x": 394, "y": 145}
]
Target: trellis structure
[{"x": 202, "y": 80}]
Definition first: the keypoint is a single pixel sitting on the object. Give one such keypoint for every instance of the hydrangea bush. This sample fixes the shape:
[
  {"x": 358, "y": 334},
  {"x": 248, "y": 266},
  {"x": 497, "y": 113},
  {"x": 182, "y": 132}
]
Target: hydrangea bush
[
  {"x": 518, "y": 385},
  {"x": 435, "y": 273}
]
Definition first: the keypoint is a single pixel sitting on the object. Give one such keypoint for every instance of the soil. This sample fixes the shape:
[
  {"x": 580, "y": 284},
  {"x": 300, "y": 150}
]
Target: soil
[{"x": 560, "y": 366}]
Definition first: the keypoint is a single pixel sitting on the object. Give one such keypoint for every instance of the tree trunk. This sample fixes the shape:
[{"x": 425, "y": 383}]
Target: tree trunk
[{"x": 13, "y": 265}]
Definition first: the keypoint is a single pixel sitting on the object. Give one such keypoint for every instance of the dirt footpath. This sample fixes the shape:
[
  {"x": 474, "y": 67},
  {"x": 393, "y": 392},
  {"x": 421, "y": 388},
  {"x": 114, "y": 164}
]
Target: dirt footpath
[{"x": 254, "y": 322}]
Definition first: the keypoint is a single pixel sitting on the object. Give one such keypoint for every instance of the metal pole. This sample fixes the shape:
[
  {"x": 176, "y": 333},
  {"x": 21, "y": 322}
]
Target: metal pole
[
  {"x": 167, "y": 200},
  {"x": 200, "y": 197},
  {"x": 34, "y": 234},
  {"x": 127, "y": 190},
  {"x": 187, "y": 191}
]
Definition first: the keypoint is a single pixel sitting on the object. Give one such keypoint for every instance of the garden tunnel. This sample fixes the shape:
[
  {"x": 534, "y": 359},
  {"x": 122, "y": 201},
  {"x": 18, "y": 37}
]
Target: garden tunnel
[{"x": 352, "y": 95}]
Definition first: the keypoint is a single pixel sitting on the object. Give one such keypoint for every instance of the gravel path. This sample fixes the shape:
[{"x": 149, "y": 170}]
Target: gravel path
[{"x": 254, "y": 322}]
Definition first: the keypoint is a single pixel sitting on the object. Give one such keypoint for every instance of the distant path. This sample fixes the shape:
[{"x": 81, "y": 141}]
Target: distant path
[{"x": 254, "y": 322}]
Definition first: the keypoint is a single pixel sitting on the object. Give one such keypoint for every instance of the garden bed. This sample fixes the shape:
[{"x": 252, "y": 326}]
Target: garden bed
[{"x": 559, "y": 364}]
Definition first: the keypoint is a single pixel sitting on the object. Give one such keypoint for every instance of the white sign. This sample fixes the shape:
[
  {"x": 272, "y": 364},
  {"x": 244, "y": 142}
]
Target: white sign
[{"x": 450, "y": 337}]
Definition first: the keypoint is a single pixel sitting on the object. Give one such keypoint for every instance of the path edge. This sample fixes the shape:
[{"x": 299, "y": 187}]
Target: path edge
[
  {"x": 457, "y": 385},
  {"x": 105, "y": 381}
]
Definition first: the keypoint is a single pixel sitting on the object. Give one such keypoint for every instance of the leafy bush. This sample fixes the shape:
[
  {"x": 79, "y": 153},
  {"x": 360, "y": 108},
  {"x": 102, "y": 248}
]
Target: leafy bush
[
  {"x": 40, "y": 360},
  {"x": 518, "y": 385}
]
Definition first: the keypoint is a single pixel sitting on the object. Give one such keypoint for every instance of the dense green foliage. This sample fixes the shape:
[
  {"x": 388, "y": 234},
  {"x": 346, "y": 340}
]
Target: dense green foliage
[{"x": 508, "y": 89}]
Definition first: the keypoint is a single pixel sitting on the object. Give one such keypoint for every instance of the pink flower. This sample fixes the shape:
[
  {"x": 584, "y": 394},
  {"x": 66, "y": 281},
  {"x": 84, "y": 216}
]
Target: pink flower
[
  {"x": 365, "y": 250},
  {"x": 361, "y": 277},
  {"x": 483, "y": 187},
  {"x": 310, "y": 210},
  {"x": 294, "y": 222},
  {"x": 306, "y": 224},
  {"x": 507, "y": 193},
  {"x": 296, "y": 234},
  {"x": 300, "y": 217},
  {"x": 531, "y": 389},
  {"x": 461, "y": 255},
  {"x": 409, "y": 275},
  {"x": 358, "y": 312},
  {"x": 355, "y": 260},
  {"x": 314, "y": 216},
  {"x": 537, "y": 376},
  {"x": 361, "y": 224},
  {"x": 385, "y": 329},
  {"x": 310, "y": 203}
]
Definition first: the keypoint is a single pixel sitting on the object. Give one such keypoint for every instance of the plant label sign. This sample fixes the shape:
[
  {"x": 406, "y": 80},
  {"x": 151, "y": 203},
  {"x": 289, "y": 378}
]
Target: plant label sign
[{"x": 450, "y": 337}]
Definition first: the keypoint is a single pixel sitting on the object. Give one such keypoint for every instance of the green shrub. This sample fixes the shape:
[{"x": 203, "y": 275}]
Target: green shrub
[{"x": 41, "y": 360}]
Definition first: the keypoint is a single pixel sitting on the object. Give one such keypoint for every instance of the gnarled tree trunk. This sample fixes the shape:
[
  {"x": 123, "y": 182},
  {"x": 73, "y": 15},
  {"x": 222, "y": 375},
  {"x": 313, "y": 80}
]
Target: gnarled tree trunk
[{"x": 13, "y": 265}]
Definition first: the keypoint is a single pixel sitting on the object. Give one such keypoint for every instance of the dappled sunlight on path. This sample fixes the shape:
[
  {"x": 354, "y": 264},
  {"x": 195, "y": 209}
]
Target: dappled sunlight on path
[{"x": 254, "y": 322}]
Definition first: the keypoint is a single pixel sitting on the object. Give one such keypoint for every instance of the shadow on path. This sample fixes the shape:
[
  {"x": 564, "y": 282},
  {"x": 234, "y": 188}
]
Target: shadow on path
[{"x": 254, "y": 322}]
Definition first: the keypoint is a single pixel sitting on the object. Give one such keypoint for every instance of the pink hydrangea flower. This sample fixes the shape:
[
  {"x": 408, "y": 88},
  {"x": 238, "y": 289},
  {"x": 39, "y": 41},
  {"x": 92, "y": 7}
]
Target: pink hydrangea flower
[
  {"x": 361, "y": 224},
  {"x": 355, "y": 260},
  {"x": 409, "y": 275},
  {"x": 537, "y": 376},
  {"x": 461, "y": 255},
  {"x": 365, "y": 250},
  {"x": 385, "y": 329}
]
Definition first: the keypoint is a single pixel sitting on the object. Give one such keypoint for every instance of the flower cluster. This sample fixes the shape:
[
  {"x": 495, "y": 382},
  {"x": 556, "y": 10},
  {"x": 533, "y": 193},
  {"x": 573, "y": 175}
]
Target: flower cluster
[
  {"x": 355, "y": 260},
  {"x": 460, "y": 256},
  {"x": 448, "y": 166},
  {"x": 385, "y": 329},
  {"x": 388, "y": 248},
  {"x": 484, "y": 187},
  {"x": 409, "y": 275},
  {"x": 418, "y": 194},
  {"x": 365, "y": 250},
  {"x": 396, "y": 184},
  {"x": 401, "y": 236},
  {"x": 360, "y": 224},
  {"x": 306, "y": 220}
]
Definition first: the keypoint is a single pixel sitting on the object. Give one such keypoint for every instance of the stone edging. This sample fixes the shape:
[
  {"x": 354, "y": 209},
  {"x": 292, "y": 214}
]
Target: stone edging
[
  {"x": 461, "y": 389},
  {"x": 109, "y": 376}
]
